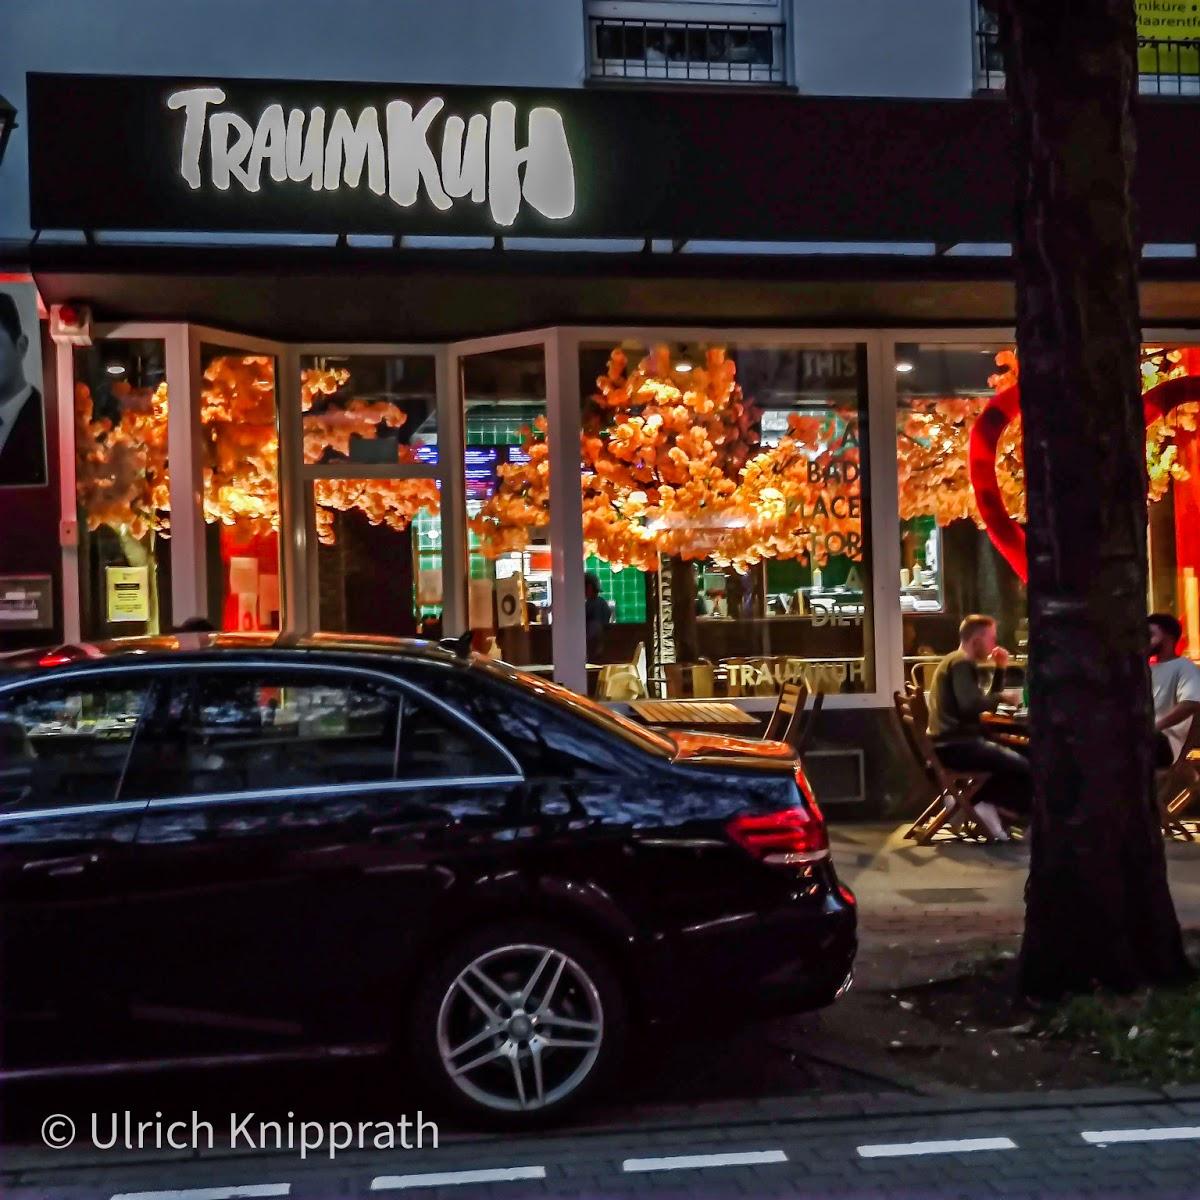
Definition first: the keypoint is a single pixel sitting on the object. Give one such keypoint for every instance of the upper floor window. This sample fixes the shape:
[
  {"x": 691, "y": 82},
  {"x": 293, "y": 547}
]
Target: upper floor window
[
  {"x": 1168, "y": 49},
  {"x": 733, "y": 41}
]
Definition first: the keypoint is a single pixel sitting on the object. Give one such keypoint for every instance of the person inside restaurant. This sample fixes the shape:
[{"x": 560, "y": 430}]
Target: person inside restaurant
[
  {"x": 967, "y": 683},
  {"x": 1175, "y": 681}
]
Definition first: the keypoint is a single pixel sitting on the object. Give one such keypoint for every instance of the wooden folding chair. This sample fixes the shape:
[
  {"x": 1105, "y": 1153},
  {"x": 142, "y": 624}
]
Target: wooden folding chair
[
  {"x": 788, "y": 710},
  {"x": 948, "y": 794},
  {"x": 1179, "y": 788},
  {"x": 804, "y": 741}
]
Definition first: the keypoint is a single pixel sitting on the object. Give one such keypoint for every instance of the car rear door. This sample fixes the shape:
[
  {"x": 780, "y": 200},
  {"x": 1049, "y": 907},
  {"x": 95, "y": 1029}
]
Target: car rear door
[
  {"x": 66, "y": 839},
  {"x": 302, "y": 825}
]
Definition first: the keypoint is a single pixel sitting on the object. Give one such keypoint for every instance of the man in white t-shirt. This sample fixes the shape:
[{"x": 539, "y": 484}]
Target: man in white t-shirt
[{"x": 1175, "y": 681}]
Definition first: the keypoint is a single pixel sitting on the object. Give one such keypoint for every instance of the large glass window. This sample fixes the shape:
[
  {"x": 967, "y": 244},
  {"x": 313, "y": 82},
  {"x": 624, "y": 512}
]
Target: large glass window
[
  {"x": 1173, "y": 460},
  {"x": 949, "y": 534},
  {"x": 723, "y": 494},
  {"x": 122, "y": 488},
  {"x": 949, "y": 567},
  {"x": 369, "y": 408},
  {"x": 508, "y": 505},
  {"x": 240, "y": 439}
]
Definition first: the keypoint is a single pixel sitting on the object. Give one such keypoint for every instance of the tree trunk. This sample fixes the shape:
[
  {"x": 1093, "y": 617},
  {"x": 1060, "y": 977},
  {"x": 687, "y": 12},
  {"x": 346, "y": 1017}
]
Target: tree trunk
[
  {"x": 683, "y": 608},
  {"x": 1098, "y": 909}
]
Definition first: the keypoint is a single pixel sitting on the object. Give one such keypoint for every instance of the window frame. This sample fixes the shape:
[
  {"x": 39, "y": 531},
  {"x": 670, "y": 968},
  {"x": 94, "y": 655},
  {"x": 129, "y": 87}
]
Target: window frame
[
  {"x": 327, "y": 669},
  {"x": 97, "y": 680}
]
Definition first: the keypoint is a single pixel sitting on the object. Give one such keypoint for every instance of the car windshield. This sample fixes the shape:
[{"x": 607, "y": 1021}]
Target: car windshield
[{"x": 583, "y": 706}]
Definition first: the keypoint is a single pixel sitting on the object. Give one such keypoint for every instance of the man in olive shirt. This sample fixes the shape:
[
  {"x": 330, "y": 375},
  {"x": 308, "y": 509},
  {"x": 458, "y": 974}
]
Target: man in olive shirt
[{"x": 967, "y": 683}]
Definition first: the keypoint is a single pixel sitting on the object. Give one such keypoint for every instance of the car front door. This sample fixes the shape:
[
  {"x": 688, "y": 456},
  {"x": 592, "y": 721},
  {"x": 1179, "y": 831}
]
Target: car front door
[
  {"x": 299, "y": 830},
  {"x": 66, "y": 838}
]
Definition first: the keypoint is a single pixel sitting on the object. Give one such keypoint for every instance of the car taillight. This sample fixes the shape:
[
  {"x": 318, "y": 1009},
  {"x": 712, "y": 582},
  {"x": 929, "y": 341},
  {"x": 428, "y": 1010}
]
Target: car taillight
[
  {"x": 789, "y": 837},
  {"x": 55, "y": 658}
]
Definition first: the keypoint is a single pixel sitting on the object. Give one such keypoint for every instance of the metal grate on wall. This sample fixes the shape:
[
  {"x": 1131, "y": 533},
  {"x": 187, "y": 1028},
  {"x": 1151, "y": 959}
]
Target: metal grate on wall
[{"x": 687, "y": 51}]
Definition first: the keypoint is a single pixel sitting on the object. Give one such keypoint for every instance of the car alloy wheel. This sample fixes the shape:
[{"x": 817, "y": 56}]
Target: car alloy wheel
[{"x": 520, "y": 1028}]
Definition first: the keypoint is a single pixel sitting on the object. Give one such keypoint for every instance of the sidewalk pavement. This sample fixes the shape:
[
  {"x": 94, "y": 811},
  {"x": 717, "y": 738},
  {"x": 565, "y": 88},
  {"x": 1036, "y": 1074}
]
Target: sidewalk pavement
[{"x": 923, "y": 908}]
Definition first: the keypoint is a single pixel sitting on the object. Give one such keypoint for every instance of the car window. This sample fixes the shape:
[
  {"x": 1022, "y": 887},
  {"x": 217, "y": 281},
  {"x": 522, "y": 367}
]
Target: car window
[
  {"x": 64, "y": 744},
  {"x": 434, "y": 745},
  {"x": 234, "y": 731}
]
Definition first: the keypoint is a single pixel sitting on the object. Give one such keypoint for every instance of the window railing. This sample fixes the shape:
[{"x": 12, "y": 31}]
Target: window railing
[
  {"x": 1166, "y": 66},
  {"x": 688, "y": 51}
]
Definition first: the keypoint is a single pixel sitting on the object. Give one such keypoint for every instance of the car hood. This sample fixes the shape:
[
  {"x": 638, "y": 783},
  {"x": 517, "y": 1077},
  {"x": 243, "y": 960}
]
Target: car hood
[{"x": 690, "y": 745}]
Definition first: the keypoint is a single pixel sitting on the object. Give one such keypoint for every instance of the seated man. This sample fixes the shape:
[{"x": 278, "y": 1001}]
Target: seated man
[
  {"x": 967, "y": 683},
  {"x": 1175, "y": 681}
]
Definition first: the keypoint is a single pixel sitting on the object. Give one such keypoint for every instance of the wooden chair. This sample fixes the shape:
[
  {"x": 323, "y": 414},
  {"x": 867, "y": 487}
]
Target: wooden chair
[
  {"x": 921, "y": 675},
  {"x": 789, "y": 710},
  {"x": 804, "y": 741},
  {"x": 624, "y": 681},
  {"x": 948, "y": 795},
  {"x": 1178, "y": 788}
]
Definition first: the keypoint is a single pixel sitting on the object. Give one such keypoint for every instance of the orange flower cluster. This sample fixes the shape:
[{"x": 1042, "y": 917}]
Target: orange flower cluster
[
  {"x": 241, "y": 443},
  {"x": 671, "y": 465},
  {"x": 934, "y": 442},
  {"x": 521, "y": 501},
  {"x": 805, "y": 495},
  {"x": 331, "y": 426},
  {"x": 662, "y": 451},
  {"x": 121, "y": 468},
  {"x": 391, "y": 502},
  {"x": 1162, "y": 449}
]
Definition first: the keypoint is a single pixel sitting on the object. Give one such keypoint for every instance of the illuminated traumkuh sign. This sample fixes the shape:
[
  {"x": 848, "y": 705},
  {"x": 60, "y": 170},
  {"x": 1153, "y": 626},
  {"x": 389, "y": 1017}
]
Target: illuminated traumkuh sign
[{"x": 478, "y": 158}]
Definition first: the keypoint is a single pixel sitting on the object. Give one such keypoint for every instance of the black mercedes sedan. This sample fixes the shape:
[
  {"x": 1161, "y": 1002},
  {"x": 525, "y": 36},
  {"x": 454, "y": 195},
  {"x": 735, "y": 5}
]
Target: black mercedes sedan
[{"x": 223, "y": 848}]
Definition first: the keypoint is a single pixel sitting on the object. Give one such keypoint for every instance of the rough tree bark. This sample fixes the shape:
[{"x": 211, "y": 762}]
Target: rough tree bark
[{"x": 1098, "y": 909}]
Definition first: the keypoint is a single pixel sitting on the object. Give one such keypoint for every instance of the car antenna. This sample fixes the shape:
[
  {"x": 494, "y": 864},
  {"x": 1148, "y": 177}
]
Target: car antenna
[{"x": 459, "y": 646}]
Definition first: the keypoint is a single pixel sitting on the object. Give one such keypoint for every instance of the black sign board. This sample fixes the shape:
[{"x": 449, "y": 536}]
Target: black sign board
[{"x": 199, "y": 153}]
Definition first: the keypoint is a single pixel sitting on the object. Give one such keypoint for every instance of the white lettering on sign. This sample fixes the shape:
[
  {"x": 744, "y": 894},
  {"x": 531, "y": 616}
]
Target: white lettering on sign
[{"x": 477, "y": 158}]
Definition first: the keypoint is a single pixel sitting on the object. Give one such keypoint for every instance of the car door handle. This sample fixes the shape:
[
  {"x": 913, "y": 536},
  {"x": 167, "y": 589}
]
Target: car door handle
[
  {"x": 403, "y": 831},
  {"x": 74, "y": 864}
]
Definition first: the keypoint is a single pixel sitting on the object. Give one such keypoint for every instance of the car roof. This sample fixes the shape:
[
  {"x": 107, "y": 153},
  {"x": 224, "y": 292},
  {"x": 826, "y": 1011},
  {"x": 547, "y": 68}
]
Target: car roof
[{"x": 196, "y": 647}]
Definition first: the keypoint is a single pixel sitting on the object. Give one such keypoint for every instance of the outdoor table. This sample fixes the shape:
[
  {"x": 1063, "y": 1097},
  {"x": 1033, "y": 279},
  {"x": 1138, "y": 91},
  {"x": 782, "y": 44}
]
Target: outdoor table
[
  {"x": 693, "y": 714},
  {"x": 1009, "y": 729}
]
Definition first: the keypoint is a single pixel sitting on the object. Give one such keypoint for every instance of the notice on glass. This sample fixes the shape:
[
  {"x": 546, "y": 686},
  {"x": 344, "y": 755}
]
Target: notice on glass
[
  {"x": 127, "y": 590},
  {"x": 1167, "y": 22},
  {"x": 26, "y": 602}
]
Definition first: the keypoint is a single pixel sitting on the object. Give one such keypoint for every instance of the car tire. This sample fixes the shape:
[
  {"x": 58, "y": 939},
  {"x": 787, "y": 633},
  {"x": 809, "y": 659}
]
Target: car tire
[{"x": 538, "y": 1004}]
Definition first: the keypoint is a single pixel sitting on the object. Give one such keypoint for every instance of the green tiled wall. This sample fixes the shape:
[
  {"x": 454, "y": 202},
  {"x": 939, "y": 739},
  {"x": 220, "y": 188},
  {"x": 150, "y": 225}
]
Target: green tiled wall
[{"x": 624, "y": 590}]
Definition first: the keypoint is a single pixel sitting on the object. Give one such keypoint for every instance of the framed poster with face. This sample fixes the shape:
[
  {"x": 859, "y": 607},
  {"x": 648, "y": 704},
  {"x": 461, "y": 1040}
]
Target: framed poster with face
[{"x": 22, "y": 419}]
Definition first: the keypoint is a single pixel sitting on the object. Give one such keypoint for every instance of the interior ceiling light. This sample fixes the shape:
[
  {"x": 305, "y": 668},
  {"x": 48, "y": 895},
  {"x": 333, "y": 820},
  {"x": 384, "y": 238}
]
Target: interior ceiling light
[
  {"x": 904, "y": 367},
  {"x": 683, "y": 366},
  {"x": 115, "y": 368}
]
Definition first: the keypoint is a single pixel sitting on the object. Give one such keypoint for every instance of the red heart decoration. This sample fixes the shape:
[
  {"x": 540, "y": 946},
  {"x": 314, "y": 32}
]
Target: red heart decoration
[{"x": 1007, "y": 536}]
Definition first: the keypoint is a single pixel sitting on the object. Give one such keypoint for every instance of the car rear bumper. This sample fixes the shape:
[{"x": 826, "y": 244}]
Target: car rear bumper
[{"x": 791, "y": 958}]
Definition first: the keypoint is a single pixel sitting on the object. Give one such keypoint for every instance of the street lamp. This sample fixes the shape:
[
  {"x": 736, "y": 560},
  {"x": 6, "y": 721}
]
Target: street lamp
[{"x": 8, "y": 120}]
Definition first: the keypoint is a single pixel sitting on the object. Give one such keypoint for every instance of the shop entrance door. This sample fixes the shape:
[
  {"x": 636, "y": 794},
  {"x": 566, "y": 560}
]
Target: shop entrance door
[{"x": 375, "y": 528}]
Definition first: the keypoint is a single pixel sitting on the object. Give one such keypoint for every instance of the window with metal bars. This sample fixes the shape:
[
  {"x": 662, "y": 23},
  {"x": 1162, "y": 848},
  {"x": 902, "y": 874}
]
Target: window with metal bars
[{"x": 640, "y": 42}]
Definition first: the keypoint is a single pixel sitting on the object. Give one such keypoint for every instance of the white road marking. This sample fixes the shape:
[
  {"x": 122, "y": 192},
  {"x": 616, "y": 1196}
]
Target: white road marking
[
  {"x": 390, "y": 1183},
  {"x": 246, "y": 1191},
  {"x": 1106, "y": 1137},
  {"x": 960, "y": 1146},
  {"x": 692, "y": 1162}
]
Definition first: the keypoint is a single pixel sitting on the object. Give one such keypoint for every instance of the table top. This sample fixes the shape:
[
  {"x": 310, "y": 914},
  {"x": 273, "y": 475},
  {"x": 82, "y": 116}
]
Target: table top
[{"x": 690, "y": 713}]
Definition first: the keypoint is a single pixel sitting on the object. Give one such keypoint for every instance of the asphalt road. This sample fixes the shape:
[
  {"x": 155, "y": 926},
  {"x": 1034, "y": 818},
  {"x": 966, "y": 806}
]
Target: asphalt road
[{"x": 1146, "y": 1149}]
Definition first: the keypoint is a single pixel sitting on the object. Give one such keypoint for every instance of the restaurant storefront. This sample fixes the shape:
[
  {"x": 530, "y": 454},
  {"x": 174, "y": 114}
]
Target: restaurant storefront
[{"x": 764, "y": 463}]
